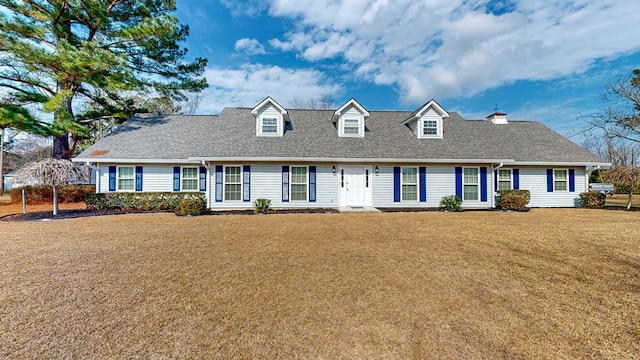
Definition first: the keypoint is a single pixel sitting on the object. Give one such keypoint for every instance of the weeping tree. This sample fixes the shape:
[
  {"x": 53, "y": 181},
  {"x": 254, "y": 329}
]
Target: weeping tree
[
  {"x": 629, "y": 176},
  {"x": 60, "y": 55},
  {"x": 51, "y": 172}
]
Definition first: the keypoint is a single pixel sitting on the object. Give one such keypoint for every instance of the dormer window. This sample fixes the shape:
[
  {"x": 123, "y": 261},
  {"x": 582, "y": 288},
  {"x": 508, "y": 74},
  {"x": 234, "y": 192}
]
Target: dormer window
[
  {"x": 269, "y": 125},
  {"x": 270, "y": 118},
  {"x": 427, "y": 121},
  {"x": 350, "y": 119}
]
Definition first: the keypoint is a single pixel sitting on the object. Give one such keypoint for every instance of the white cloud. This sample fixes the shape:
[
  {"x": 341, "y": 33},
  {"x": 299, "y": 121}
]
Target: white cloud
[
  {"x": 249, "y": 84},
  {"x": 451, "y": 48},
  {"x": 250, "y": 46}
]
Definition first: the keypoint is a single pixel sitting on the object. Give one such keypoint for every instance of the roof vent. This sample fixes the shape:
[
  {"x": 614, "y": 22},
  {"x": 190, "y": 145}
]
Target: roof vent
[{"x": 498, "y": 118}]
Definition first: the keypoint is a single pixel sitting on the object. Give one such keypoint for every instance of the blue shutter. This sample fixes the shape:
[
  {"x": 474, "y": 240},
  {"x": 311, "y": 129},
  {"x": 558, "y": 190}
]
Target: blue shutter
[
  {"x": 203, "y": 178},
  {"x": 246, "y": 183},
  {"x": 285, "y": 183},
  {"x": 396, "y": 184},
  {"x": 218, "y": 183},
  {"x": 312, "y": 183},
  {"x": 516, "y": 179},
  {"x": 176, "y": 178},
  {"x": 112, "y": 178},
  {"x": 138, "y": 178},
  {"x": 423, "y": 183},
  {"x": 572, "y": 180},
  {"x": 483, "y": 184},
  {"x": 549, "y": 180},
  {"x": 459, "y": 182}
]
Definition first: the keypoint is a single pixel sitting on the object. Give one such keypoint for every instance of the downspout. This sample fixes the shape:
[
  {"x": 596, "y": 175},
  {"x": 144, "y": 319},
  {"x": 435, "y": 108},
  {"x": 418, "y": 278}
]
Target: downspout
[
  {"x": 97, "y": 169},
  {"x": 493, "y": 188},
  {"x": 207, "y": 193}
]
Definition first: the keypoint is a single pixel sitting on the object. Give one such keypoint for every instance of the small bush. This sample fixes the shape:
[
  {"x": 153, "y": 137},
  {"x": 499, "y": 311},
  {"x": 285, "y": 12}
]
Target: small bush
[
  {"x": 526, "y": 194},
  {"x": 154, "y": 201},
  {"x": 192, "y": 207},
  {"x": 513, "y": 202},
  {"x": 592, "y": 200},
  {"x": 451, "y": 203},
  {"x": 261, "y": 206}
]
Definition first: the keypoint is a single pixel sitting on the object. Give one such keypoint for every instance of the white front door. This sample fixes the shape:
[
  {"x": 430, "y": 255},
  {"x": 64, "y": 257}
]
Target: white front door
[{"x": 354, "y": 178}]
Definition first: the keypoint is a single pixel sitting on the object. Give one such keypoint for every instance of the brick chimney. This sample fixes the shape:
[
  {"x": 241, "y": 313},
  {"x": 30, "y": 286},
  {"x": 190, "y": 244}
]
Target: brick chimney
[{"x": 498, "y": 118}]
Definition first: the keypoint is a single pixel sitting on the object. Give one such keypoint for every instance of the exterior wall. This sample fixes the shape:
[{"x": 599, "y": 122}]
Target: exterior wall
[
  {"x": 266, "y": 182},
  {"x": 441, "y": 182},
  {"x": 534, "y": 179},
  {"x": 351, "y": 113},
  {"x": 430, "y": 115}
]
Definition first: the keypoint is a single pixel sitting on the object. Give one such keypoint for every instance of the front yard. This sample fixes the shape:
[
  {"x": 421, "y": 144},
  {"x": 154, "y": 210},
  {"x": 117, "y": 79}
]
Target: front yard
[{"x": 554, "y": 283}]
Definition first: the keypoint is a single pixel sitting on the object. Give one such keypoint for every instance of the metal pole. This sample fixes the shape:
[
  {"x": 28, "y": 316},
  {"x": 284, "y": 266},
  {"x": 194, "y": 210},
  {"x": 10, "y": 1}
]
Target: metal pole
[{"x": 24, "y": 202}]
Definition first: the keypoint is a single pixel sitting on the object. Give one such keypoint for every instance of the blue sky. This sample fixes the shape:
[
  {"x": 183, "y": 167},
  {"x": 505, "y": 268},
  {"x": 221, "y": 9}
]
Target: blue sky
[{"x": 536, "y": 60}]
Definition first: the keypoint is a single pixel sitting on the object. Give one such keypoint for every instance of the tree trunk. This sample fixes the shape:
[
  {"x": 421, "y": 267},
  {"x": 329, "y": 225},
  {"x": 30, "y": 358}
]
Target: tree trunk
[
  {"x": 630, "y": 197},
  {"x": 2, "y": 162},
  {"x": 60, "y": 147},
  {"x": 55, "y": 200}
]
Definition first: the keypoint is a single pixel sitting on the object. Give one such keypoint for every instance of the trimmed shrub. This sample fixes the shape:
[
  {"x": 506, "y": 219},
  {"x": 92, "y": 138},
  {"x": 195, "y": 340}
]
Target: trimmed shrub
[
  {"x": 592, "y": 200},
  {"x": 190, "y": 207},
  {"x": 44, "y": 194},
  {"x": 513, "y": 202},
  {"x": 261, "y": 206},
  {"x": 153, "y": 201},
  {"x": 451, "y": 203},
  {"x": 526, "y": 194}
]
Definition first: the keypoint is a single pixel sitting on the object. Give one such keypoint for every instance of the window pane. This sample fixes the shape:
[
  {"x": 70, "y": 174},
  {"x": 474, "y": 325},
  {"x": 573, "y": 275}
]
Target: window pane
[
  {"x": 269, "y": 125},
  {"x": 560, "y": 174},
  {"x": 430, "y": 127},
  {"x": 409, "y": 192},
  {"x": 190, "y": 173},
  {"x": 125, "y": 184},
  {"x": 189, "y": 184},
  {"x": 351, "y": 126},
  {"x": 504, "y": 179},
  {"x": 409, "y": 175},
  {"x": 125, "y": 172},
  {"x": 299, "y": 192},
  {"x": 560, "y": 180},
  {"x": 470, "y": 192},
  {"x": 471, "y": 175},
  {"x": 232, "y": 174},
  {"x": 232, "y": 191}
]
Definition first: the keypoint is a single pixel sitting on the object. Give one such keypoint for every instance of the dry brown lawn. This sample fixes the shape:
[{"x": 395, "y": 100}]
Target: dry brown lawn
[{"x": 558, "y": 283}]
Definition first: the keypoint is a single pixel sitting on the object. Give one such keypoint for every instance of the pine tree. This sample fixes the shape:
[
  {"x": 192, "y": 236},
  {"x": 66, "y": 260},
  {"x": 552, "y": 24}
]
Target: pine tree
[{"x": 63, "y": 54}]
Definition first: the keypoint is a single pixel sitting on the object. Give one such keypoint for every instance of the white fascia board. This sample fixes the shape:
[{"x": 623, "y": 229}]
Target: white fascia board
[
  {"x": 282, "y": 110},
  {"x": 134, "y": 161},
  {"x": 560, "y": 163},
  {"x": 430, "y": 104},
  {"x": 356, "y": 104},
  {"x": 351, "y": 160}
]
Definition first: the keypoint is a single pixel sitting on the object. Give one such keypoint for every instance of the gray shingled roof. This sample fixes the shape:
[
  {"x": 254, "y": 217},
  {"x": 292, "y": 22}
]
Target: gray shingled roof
[{"x": 312, "y": 134}]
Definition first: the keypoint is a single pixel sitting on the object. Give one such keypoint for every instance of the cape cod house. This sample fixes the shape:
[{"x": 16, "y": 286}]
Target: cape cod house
[{"x": 348, "y": 157}]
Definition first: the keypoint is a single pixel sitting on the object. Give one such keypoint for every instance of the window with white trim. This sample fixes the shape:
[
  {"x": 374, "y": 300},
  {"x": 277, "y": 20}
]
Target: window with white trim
[
  {"x": 299, "y": 183},
  {"x": 471, "y": 184},
  {"x": 504, "y": 179},
  {"x": 560, "y": 180},
  {"x": 126, "y": 178},
  {"x": 189, "y": 179},
  {"x": 351, "y": 126},
  {"x": 430, "y": 128},
  {"x": 409, "y": 182},
  {"x": 270, "y": 126},
  {"x": 233, "y": 183}
]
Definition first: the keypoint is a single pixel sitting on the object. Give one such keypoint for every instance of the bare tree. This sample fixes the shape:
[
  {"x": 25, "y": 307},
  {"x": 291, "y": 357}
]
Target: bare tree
[
  {"x": 623, "y": 175},
  {"x": 51, "y": 172},
  {"x": 24, "y": 148},
  {"x": 621, "y": 116},
  {"x": 324, "y": 102},
  {"x": 617, "y": 151}
]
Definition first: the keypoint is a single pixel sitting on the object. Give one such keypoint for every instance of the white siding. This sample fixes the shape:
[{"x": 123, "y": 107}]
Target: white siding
[
  {"x": 266, "y": 182},
  {"x": 269, "y": 111},
  {"x": 535, "y": 180},
  {"x": 430, "y": 115},
  {"x": 155, "y": 178},
  {"x": 441, "y": 181},
  {"x": 414, "y": 127}
]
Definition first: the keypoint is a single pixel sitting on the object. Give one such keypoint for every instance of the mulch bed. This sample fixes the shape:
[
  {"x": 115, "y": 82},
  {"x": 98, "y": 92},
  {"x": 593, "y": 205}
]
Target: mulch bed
[{"x": 70, "y": 214}]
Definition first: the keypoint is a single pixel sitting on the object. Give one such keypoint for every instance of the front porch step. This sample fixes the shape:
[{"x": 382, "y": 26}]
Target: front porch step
[{"x": 346, "y": 209}]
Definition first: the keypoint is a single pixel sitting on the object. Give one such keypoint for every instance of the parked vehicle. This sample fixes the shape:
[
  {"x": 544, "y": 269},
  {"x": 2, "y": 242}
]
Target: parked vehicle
[{"x": 604, "y": 188}]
